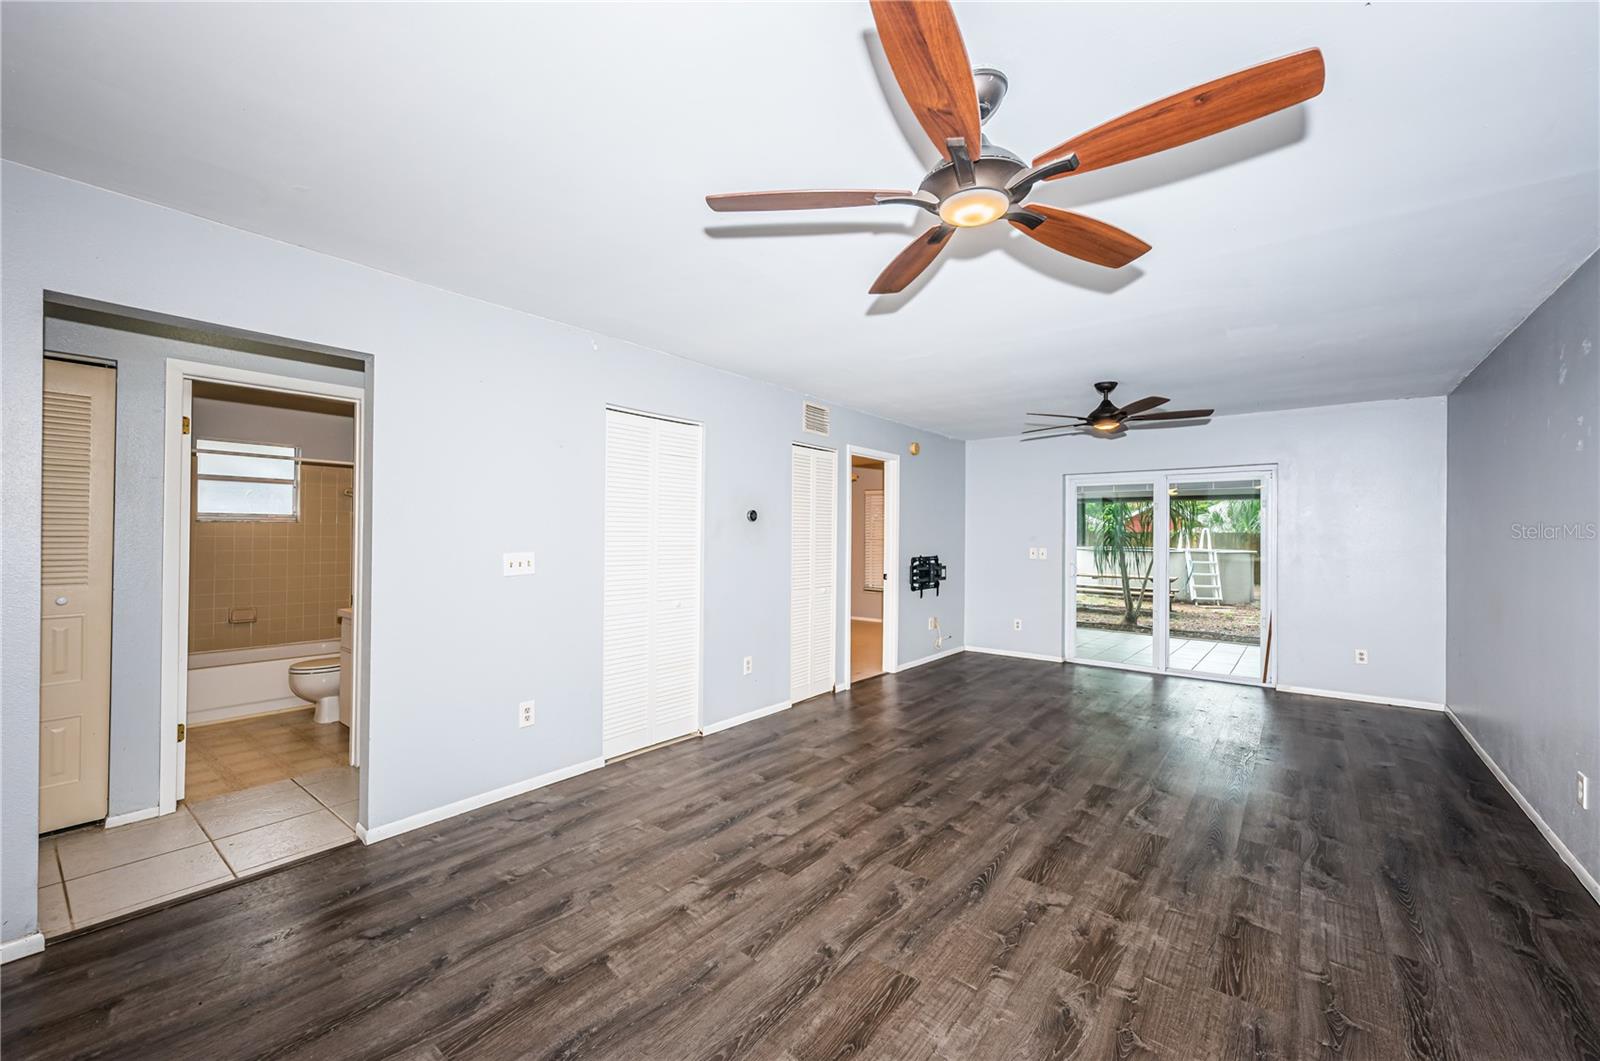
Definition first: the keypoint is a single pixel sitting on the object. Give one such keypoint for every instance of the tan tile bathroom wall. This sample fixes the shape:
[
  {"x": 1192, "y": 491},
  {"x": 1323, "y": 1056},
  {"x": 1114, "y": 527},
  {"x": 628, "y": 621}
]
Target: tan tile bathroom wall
[{"x": 295, "y": 574}]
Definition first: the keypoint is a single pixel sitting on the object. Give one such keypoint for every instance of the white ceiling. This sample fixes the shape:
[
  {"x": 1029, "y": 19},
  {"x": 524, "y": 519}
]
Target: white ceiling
[{"x": 1376, "y": 242}]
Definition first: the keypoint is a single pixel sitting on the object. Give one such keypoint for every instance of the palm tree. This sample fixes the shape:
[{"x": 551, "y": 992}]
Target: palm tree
[{"x": 1117, "y": 528}]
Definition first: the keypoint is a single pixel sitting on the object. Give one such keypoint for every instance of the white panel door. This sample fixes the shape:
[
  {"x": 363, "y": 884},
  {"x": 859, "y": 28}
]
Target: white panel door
[
  {"x": 813, "y": 571},
  {"x": 651, "y": 655}
]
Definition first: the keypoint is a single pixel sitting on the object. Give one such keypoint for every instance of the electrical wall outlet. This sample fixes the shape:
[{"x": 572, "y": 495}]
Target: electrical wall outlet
[
  {"x": 1033, "y": 554},
  {"x": 525, "y": 714},
  {"x": 1361, "y": 655},
  {"x": 1583, "y": 790},
  {"x": 516, "y": 564},
  {"x": 749, "y": 664},
  {"x": 1016, "y": 624},
  {"x": 933, "y": 622}
]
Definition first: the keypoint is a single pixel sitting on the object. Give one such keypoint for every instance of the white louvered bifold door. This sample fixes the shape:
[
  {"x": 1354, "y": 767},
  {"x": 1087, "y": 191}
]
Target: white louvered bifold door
[
  {"x": 651, "y": 654},
  {"x": 75, "y": 584},
  {"x": 813, "y": 551},
  {"x": 676, "y": 622}
]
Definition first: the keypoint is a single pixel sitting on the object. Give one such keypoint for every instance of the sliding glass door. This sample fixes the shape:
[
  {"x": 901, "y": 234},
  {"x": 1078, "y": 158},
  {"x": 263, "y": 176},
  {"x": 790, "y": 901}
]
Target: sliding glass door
[
  {"x": 1214, "y": 546},
  {"x": 1114, "y": 588},
  {"x": 1171, "y": 572}
]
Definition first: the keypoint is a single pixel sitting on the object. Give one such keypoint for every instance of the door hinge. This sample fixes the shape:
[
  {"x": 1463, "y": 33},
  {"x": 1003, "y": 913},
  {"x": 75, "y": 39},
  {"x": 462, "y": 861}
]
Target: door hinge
[
  {"x": 186, "y": 425},
  {"x": 182, "y": 729}
]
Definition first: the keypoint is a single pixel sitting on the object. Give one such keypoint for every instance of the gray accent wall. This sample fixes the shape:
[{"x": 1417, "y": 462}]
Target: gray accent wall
[
  {"x": 141, "y": 362},
  {"x": 1523, "y": 671},
  {"x": 1360, "y": 535},
  {"x": 486, "y": 435}
]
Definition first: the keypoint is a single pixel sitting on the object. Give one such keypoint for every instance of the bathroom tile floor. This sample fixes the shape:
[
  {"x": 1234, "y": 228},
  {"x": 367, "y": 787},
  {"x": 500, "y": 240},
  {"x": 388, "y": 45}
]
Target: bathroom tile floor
[
  {"x": 94, "y": 874},
  {"x": 234, "y": 756}
]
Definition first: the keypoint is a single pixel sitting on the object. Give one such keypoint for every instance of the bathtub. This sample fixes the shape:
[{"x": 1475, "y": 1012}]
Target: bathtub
[{"x": 239, "y": 682}]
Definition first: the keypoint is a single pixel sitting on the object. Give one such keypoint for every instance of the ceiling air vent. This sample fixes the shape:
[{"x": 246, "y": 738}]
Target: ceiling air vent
[{"x": 814, "y": 418}]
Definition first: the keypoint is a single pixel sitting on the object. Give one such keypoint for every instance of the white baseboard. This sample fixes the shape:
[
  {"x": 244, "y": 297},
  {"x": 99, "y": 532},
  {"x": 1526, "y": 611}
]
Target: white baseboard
[
  {"x": 748, "y": 716},
  {"x": 143, "y": 814},
  {"x": 21, "y": 947},
  {"x": 1586, "y": 878},
  {"x": 864, "y": 619},
  {"x": 483, "y": 799},
  {"x": 1015, "y": 655},
  {"x": 1363, "y": 698},
  {"x": 235, "y": 712},
  {"x": 930, "y": 659}
]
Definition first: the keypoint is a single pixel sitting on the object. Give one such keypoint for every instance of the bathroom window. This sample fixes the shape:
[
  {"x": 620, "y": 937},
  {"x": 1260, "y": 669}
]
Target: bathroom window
[{"x": 246, "y": 481}]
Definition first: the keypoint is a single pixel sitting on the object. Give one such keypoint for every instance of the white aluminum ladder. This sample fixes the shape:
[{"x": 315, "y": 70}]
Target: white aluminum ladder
[{"x": 1205, "y": 574}]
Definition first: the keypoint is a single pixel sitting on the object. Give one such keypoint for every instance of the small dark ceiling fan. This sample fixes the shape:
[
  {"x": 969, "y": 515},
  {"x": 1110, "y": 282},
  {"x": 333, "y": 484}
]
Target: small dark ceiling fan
[
  {"x": 978, "y": 183},
  {"x": 1108, "y": 419}
]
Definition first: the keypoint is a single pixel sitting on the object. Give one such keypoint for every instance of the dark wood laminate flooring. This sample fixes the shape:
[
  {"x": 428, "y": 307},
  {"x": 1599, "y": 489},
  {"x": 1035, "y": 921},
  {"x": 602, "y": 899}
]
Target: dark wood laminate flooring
[{"x": 980, "y": 858}]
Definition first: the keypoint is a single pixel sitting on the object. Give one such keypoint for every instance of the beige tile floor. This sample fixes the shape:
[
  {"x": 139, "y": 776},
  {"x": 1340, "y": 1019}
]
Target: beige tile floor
[
  {"x": 232, "y": 756},
  {"x": 93, "y": 874}
]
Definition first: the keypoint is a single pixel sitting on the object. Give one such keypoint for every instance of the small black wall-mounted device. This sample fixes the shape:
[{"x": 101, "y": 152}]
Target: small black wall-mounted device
[
  {"x": 751, "y": 515},
  {"x": 926, "y": 573}
]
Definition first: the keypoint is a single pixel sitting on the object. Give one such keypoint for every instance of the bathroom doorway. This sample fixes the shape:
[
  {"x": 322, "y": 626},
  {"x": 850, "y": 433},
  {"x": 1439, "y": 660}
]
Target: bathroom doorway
[
  {"x": 271, "y": 558},
  {"x": 238, "y": 522},
  {"x": 872, "y": 512}
]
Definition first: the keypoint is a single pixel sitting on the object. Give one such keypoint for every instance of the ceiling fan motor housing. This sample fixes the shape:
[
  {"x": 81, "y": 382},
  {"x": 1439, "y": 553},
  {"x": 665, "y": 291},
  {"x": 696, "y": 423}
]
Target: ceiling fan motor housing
[{"x": 993, "y": 169}]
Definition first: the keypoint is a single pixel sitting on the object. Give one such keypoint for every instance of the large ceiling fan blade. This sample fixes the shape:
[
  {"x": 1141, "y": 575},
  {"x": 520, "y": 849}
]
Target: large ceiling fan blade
[
  {"x": 1035, "y": 428},
  {"x": 1176, "y": 414},
  {"x": 1081, "y": 237},
  {"x": 1060, "y": 434},
  {"x": 923, "y": 44},
  {"x": 1061, "y": 416},
  {"x": 796, "y": 200},
  {"x": 909, "y": 263},
  {"x": 1142, "y": 404},
  {"x": 1198, "y": 112}
]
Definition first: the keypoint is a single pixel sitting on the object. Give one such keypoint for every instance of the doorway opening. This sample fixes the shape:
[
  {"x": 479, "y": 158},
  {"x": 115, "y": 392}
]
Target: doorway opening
[
  {"x": 271, "y": 549},
  {"x": 236, "y": 700},
  {"x": 873, "y": 514},
  {"x": 1172, "y": 572}
]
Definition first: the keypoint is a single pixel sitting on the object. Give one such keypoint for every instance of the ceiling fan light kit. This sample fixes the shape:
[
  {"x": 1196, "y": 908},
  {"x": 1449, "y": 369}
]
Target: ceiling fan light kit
[{"x": 978, "y": 183}]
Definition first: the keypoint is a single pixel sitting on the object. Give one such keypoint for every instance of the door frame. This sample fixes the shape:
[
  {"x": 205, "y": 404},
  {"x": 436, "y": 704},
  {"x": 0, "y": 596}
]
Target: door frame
[
  {"x": 175, "y": 531},
  {"x": 890, "y": 647},
  {"x": 1159, "y": 480}
]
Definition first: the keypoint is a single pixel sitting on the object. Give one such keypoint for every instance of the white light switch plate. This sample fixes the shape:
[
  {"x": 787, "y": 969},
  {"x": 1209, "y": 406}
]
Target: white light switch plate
[
  {"x": 516, "y": 564},
  {"x": 1044, "y": 554}
]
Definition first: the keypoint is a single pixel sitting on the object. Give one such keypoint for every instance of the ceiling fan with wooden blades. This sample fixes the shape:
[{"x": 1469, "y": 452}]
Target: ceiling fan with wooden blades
[
  {"x": 1108, "y": 419},
  {"x": 977, "y": 183}
]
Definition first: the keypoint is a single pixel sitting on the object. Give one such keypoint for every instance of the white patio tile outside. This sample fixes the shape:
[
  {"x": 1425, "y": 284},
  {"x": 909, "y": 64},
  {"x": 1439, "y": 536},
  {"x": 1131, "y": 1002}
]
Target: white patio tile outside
[{"x": 1192, "y": 654}]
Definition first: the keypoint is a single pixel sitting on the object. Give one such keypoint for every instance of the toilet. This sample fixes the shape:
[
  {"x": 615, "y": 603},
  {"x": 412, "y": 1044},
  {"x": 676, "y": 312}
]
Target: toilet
[{"x": 317, "y": 680}]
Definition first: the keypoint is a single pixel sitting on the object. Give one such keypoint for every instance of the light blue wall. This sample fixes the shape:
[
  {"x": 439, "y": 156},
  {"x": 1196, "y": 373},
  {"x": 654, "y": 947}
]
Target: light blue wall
[
  {"x": 1360, "y": 536},
  {"x": 1524, "y": 603},
  {"x": 141, "y": 360},
  {"x": 487, "y": 435}
]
